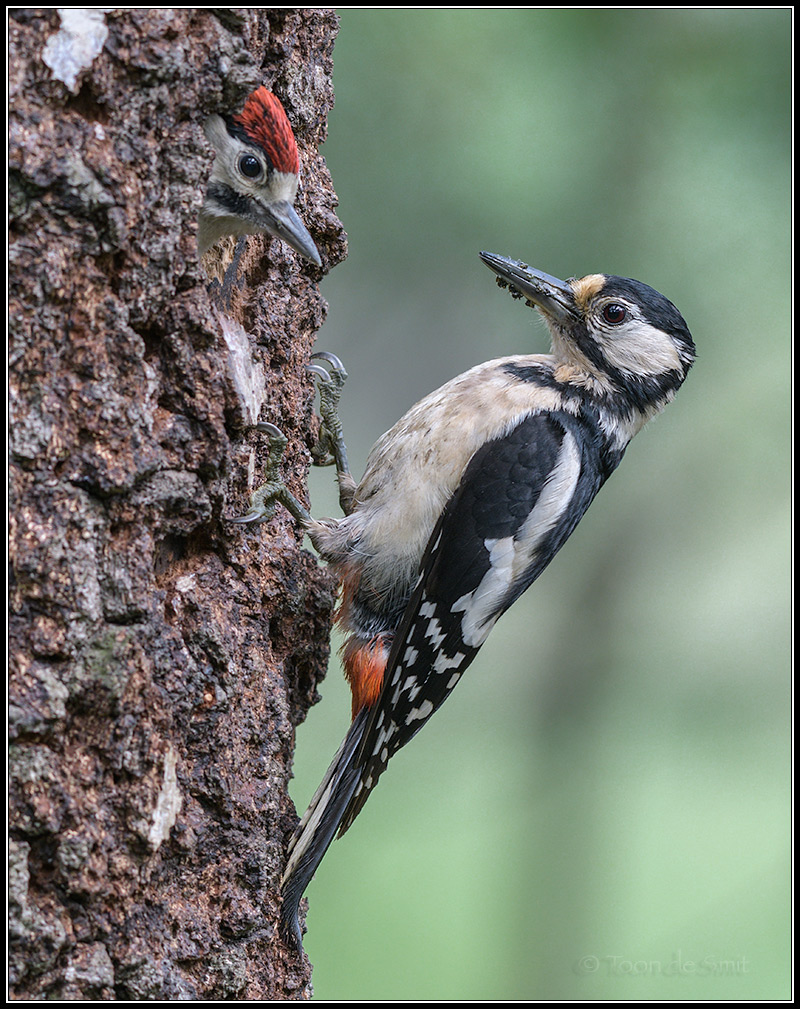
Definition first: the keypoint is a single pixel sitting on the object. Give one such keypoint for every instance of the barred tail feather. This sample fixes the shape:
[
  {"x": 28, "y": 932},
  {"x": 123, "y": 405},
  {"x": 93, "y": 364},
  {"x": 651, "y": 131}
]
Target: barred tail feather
[{"x": 316, "y": 830}]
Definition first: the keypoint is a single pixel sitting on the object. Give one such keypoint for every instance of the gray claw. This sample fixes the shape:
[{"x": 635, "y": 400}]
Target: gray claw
[
  {"x": 276, "y": 436},
  {"x": 333, "y": 378},
  {"x": 319, "y": 371},
  {"x": 273, "y": 491},
  {"x": 332, "y": 360},
  {"x": 253, "y": 517}
]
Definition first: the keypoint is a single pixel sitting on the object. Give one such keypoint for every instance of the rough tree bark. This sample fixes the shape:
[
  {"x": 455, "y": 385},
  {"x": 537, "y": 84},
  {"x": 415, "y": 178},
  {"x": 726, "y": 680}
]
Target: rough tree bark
[{"x": 160, "y": 656}]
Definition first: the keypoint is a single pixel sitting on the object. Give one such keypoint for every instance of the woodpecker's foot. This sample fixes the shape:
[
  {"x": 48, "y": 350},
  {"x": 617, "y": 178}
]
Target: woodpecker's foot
[
  {"x": 330, "y": 448},
  {"x": 273, "y": 491}
]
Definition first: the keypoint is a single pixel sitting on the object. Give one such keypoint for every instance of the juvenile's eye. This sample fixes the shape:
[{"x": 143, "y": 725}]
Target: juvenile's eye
[
  {"x": 614, "y": 314},
  {"x": 249, "y": 166}
]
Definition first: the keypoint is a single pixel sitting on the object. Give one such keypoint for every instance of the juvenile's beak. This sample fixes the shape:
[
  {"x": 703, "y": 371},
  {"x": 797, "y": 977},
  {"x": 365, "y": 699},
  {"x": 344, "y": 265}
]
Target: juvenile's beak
[
  {"x": 552, "y": 296},
  {"x": 280, "y": 219}
]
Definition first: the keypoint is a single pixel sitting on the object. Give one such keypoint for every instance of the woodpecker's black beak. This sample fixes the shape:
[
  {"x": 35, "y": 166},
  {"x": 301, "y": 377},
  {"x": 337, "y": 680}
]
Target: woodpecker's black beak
[
  {"x": 552, "y": 296},
  {"x": 280, "y": 219}
]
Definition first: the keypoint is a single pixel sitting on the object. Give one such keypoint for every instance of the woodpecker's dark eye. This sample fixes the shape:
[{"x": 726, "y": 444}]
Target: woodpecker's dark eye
[
  {"x": 249, "y": 166},
  {"x": 614, "y": 314}
]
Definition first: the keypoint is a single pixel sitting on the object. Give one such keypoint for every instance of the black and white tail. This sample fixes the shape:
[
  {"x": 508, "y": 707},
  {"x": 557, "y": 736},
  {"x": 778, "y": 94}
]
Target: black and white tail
[{"x": 317, "y": 828}]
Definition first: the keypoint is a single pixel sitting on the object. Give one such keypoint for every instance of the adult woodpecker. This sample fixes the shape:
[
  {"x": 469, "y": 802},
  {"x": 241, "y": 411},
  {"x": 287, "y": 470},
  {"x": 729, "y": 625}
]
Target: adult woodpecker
[
  {"x": 463, "y": 504},
  {"x": 254, "y": 179}
]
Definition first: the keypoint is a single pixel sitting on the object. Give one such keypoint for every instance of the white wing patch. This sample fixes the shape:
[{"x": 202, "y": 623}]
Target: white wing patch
[
  {"x": 511, "y": 556},
  {"x": 425, "y": 710}
]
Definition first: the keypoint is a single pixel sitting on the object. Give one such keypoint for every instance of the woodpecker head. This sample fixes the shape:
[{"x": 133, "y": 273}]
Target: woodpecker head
[
  {"x": 254, "y": 179},
  {"x": 612, "y": 334}
]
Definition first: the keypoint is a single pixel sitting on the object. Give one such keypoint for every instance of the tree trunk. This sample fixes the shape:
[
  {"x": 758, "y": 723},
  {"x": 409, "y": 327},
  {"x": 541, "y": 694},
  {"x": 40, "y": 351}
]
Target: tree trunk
[{"x": 161, "y": 657}]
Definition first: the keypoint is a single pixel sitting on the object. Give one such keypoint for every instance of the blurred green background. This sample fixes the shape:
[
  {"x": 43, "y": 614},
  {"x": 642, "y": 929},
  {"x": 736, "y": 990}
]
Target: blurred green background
[{"x": 602, "y": 809}]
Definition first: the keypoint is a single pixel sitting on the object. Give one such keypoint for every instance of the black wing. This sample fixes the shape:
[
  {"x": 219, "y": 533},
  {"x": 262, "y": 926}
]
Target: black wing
[{"x": 519, "y": 499}]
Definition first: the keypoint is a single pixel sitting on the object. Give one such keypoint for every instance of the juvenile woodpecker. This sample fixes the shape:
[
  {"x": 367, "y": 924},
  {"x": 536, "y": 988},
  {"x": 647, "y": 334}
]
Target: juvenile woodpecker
[
  {"x": 254, "y": 179},
  {"x": 463, "y": 504}
]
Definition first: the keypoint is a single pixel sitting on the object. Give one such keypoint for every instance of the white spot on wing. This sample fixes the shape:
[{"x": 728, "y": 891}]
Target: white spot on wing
[
  {"x": 443, "y": 663},
  {"x": 425, "y": 710},
  {"x": 510, "y": 557}
]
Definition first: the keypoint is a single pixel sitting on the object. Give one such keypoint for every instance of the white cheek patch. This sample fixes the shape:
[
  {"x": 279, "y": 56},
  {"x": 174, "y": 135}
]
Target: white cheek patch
[
  {"x": 512, "y": 556},
  {"x": 283, "y": 186},
  {"x": 640, "y": 349}
]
